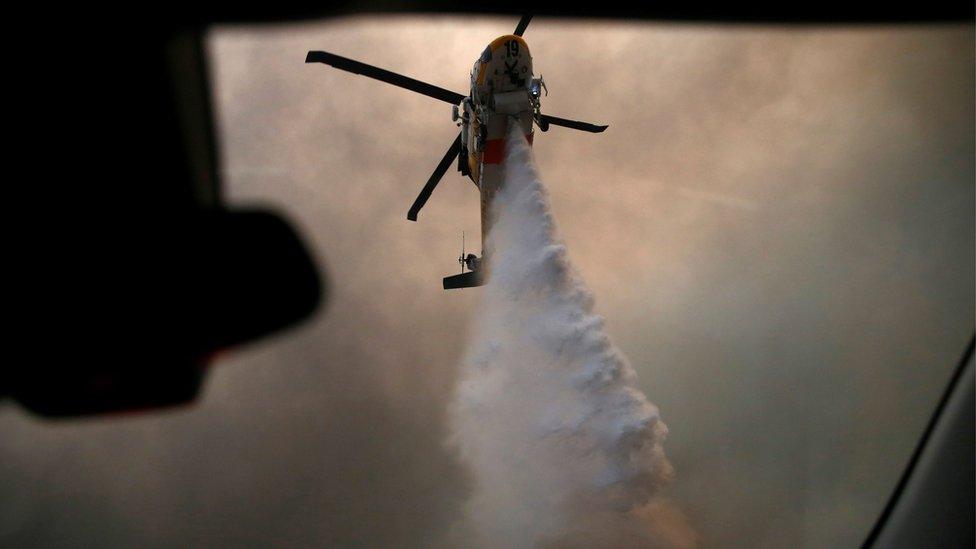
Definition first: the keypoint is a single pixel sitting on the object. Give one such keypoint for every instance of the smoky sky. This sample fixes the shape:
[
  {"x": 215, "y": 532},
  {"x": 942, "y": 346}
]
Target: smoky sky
[{"x": 778, "y": 227}]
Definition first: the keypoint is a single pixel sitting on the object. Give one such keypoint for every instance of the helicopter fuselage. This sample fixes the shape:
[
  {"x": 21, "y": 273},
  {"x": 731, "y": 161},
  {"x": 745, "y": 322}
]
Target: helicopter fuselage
[{"x": 503, "y": 91}]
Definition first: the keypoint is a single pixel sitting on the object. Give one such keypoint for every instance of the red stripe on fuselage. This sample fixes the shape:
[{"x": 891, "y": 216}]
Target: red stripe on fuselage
[{"x": 495, "y": 149}]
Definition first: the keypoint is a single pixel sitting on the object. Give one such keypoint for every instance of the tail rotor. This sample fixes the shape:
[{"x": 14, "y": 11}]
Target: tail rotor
[{"x": 461, "y": 257}]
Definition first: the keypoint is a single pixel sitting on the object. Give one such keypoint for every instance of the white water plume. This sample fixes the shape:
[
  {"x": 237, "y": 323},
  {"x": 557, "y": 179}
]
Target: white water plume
[{"x": 563, "y": 448}]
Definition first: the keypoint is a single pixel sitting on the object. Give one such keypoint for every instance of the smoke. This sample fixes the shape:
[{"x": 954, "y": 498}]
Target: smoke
[{"x": 564, "y": 450}]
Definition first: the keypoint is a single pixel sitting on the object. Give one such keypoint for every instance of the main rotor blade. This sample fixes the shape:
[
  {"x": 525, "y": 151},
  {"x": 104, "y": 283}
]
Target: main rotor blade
[
  {"x": 383, "y": 75},
  {"x": 435, "y": 178},
  {"x": 583, "y": 126},
  {"x": 524, "y": 22}
]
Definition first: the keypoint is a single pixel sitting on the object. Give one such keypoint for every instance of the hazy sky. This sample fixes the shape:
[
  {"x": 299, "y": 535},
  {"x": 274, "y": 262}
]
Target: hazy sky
[{"x": 778, "y": 227}]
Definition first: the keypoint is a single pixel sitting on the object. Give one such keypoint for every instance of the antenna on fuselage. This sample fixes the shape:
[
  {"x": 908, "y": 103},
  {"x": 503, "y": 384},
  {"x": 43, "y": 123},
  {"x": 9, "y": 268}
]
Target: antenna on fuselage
[{"x": 523, "y": 22}]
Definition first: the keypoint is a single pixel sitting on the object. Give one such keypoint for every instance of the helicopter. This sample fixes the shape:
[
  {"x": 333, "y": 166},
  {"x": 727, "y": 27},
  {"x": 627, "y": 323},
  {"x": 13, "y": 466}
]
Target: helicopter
[{"x": 504, "y": 90}]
